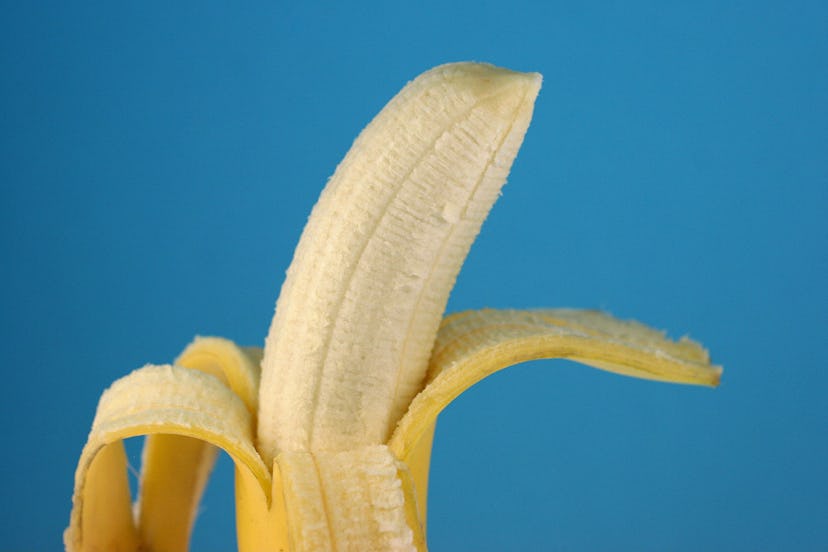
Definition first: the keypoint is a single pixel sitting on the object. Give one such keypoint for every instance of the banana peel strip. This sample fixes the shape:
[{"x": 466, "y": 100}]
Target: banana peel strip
[
  {"x": 174, "y": 468},
  {"x": 152, "y": 400},
  {"x": 474, "y": 344},
  {"x": 237, "y": 367}
]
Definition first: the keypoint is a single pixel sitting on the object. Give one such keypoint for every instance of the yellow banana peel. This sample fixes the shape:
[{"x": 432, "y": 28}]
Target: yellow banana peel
[{"x": 330, "y": 427}]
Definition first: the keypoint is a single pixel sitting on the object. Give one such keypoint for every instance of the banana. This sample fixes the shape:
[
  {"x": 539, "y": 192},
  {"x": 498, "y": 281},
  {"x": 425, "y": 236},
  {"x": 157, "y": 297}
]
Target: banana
[
  {"x": 359, "y": 310},
  {"x": 330, "y": 427}
]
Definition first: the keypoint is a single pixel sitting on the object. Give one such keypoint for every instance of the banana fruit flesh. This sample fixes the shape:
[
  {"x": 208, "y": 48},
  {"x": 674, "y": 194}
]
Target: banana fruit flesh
[
  {"x": 330, "y": 427},
  {"x": 358, "y": 313}
]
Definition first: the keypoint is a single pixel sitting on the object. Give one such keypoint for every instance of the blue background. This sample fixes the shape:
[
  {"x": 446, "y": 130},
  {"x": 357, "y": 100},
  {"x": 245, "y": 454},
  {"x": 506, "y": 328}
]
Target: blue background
[{"x": 159, "y": 162}]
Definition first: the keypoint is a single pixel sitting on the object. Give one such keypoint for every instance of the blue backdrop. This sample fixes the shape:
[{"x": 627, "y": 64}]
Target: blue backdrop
[{"x": 159, "y": 161}]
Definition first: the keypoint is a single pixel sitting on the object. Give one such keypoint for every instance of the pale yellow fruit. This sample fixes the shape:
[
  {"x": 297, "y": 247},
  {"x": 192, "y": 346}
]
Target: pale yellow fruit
[{"x": 330, "y": 427}]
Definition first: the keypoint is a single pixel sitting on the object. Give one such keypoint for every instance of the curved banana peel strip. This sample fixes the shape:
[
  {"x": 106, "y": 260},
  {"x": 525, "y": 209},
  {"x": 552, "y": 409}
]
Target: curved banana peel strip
[
  {"x": 174, "y": 468},
  {"x": 418, "y": 461},
  {"x": 101, "y": 516},
  {"x": 474, "y": 344},
  {"x": 261, "y": 524},
  {"x": 155, "y": 399},
  {"x": 237, "y": 367}
]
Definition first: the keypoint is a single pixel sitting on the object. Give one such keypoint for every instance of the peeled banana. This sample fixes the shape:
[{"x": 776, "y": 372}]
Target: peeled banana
[{"x": 330, "y": 426}]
